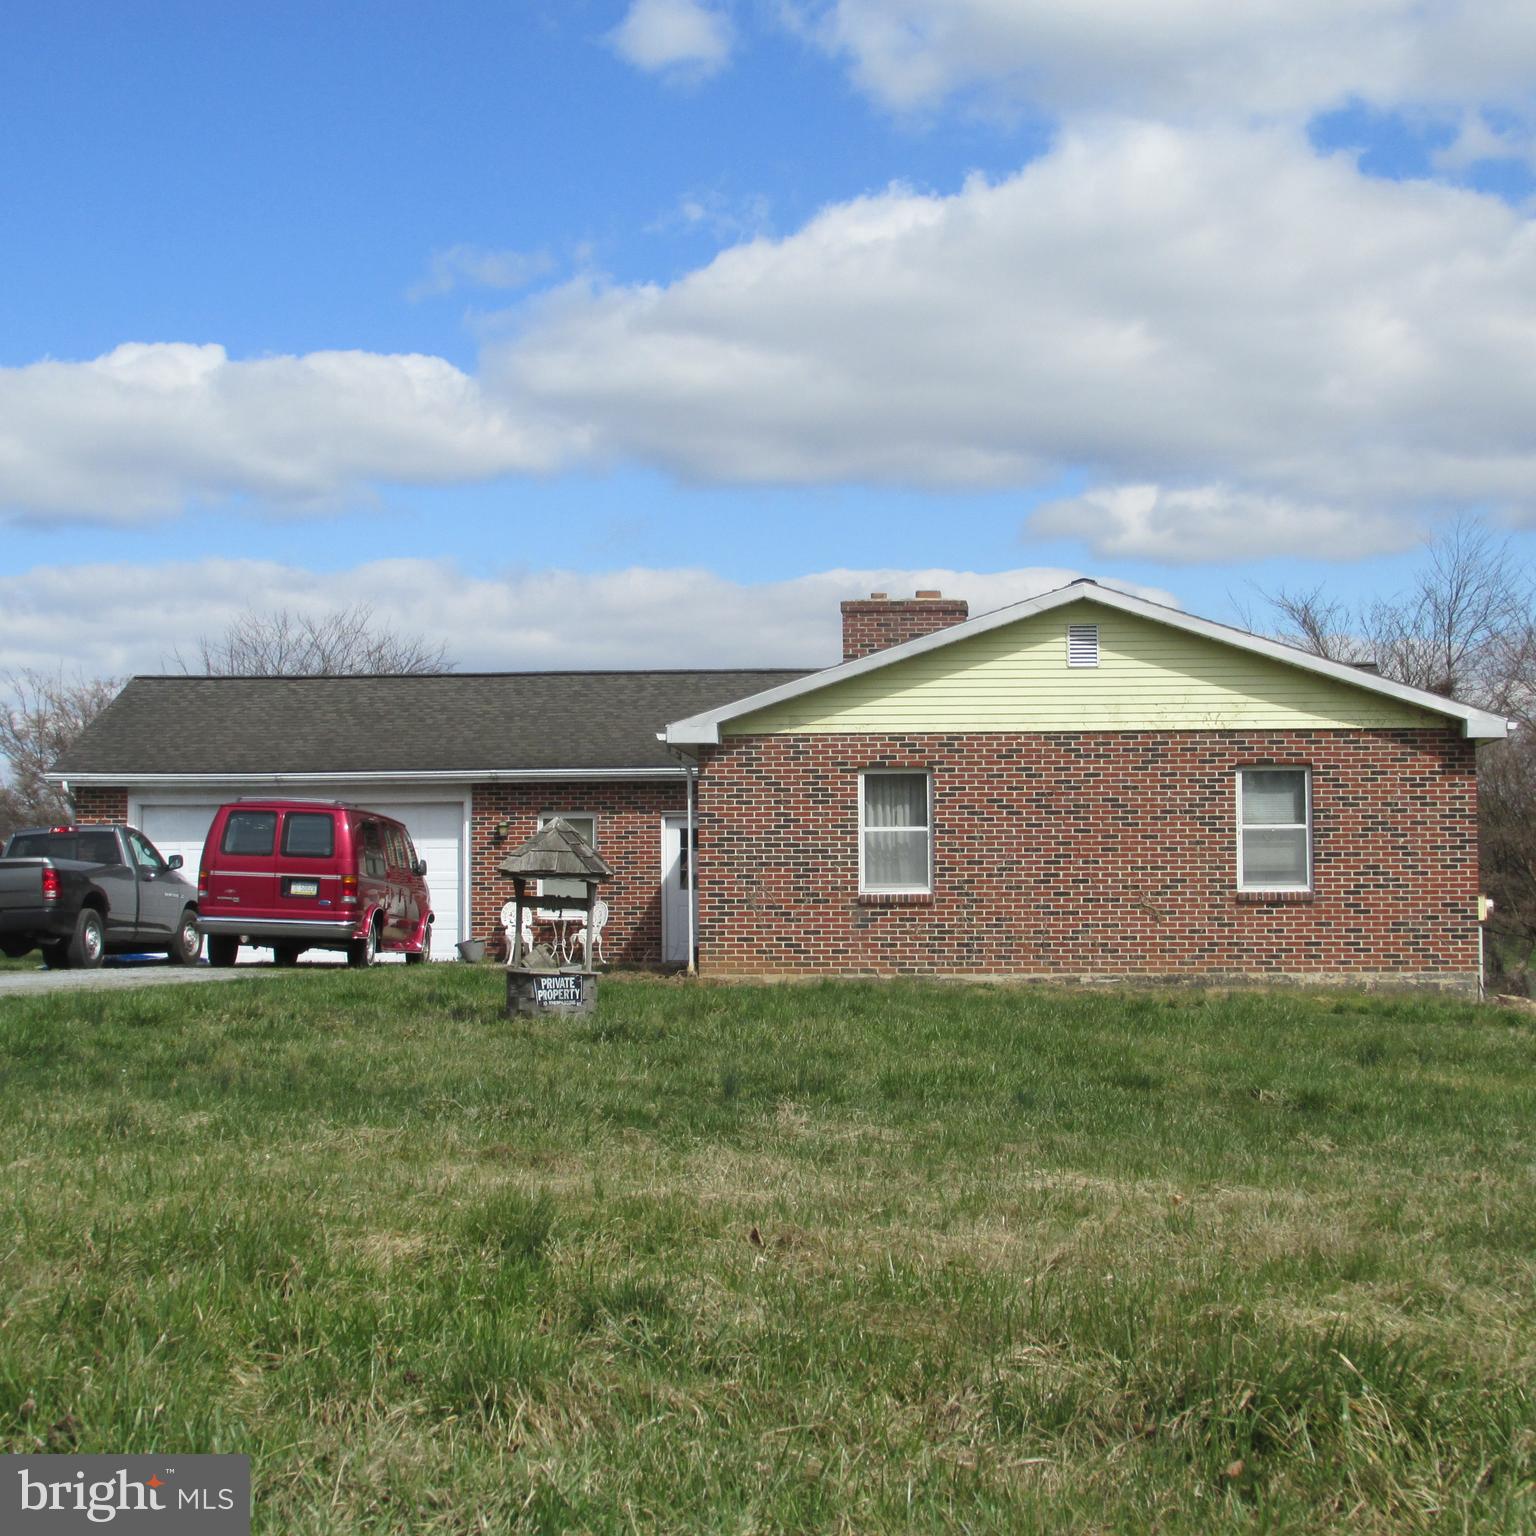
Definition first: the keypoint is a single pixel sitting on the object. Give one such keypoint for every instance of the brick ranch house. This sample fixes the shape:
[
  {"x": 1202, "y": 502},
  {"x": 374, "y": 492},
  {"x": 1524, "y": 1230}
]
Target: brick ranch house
[{"x": 1082, "y": 785}]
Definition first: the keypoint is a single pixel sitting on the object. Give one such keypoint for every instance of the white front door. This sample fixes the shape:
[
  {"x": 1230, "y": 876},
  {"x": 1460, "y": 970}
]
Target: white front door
[{"x": 677, "y": 888}]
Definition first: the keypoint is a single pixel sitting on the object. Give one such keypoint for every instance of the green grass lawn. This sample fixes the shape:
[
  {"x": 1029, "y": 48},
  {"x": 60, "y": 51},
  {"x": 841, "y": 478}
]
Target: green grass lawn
[
  {"x": 842, "y": 1257},
  {"x": 31, "y": 961}
]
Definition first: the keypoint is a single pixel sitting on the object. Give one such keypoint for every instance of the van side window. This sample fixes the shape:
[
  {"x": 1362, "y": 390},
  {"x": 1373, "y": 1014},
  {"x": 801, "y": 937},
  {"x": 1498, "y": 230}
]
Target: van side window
[
  {"x": 410, "y": 849},
  {"x": 396, "y": 847},
  {"x": 309, "y": 834},
  {"x": 374, "y": 863},
  {"x": 250, "y": 832}
]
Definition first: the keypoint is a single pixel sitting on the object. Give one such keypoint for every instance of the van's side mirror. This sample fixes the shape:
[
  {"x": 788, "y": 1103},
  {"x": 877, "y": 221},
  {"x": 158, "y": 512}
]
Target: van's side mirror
[
  {"x": 174, "y": 862},
  {"x": 421, "y": 866}
]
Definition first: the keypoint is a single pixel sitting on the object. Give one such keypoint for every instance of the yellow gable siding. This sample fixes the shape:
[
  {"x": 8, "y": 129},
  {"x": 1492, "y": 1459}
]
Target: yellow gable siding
[{"x": 1150, "y": 677}]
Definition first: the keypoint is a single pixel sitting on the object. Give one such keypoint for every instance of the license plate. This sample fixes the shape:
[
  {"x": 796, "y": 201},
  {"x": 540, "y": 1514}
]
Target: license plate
[{"x": 303, "y": 887}]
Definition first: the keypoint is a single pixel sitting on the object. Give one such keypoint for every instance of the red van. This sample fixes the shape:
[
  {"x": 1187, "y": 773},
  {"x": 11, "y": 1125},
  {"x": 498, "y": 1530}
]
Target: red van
[{"x": 312, "y": 874}]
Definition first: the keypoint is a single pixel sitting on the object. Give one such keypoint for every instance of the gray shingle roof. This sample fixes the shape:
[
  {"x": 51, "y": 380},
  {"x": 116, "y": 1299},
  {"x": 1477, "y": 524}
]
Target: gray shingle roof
[{"x": 454, "y": 722}]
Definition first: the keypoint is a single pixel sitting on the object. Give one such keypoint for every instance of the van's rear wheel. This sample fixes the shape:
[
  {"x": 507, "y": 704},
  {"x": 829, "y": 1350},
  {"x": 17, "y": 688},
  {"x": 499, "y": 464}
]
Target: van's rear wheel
[
  {"x": 426, "y": 947},
  {"x": 222, "y": 949},
  {"x": 363, "y": 952}
]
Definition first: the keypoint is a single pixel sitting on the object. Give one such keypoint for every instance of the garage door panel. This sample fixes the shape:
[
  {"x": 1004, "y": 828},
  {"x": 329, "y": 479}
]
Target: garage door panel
[{"x": 178, "y": 829}]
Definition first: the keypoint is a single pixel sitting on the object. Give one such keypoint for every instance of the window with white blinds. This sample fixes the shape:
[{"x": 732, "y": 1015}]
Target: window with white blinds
[
  {"x": 1274, "y": 829},
  {"x": 895, "y": 833}
]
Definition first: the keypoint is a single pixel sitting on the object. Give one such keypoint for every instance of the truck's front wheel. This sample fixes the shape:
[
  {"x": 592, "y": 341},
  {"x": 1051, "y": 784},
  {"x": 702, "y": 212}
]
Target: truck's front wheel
[
  {"x": 187, "y": 941},
  {"x": 90, "y": 941}
]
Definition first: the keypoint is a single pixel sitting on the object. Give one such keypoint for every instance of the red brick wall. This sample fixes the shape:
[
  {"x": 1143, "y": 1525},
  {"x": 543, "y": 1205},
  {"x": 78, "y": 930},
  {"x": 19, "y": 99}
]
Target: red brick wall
[
  {"x": 875, "y": 623},
  {"x": 96, "y": 804},
  {"x": 1093, "y": 855},
  {"x": 628, "y": 838}
]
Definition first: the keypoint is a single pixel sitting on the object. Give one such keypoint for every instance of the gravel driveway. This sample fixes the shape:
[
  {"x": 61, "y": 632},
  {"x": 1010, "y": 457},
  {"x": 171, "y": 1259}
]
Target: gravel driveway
[{"x": 135, "y": 973}]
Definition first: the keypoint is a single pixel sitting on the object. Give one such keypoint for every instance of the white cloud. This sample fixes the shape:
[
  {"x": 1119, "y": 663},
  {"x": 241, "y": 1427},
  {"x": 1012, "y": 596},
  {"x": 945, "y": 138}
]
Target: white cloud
[
  {"x": 726, "y": 219},
  {"x": 1479, "y": 141},
  {"x": 1214, "y": 522},
  {"x": 1182, "y": 58},
  {"x": 673, "y": 36},
  {"x": 1144, "y": 304},
  {"x": 514, "y": 619},
  {"x": 148, "y": 429},
  {"x": 476, "y": 266}
]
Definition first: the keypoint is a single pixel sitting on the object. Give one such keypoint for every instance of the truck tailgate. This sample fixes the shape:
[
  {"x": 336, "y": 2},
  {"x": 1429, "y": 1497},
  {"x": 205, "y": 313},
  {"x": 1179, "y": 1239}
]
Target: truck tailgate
[{"x": 21, "y": 883}]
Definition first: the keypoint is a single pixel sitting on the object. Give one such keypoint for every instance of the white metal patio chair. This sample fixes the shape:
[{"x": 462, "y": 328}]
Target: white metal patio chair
[
  {"x": 579, "y": 936},
  {"x": 508, "y": 917}
]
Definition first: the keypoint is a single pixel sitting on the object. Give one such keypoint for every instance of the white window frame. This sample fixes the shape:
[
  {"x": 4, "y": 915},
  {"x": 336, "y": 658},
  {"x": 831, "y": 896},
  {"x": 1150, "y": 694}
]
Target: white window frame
[
  {"x": 896, "y": 890},
  {"x": 545, "y": 817},
  {"x": 1287, "y": 826}
]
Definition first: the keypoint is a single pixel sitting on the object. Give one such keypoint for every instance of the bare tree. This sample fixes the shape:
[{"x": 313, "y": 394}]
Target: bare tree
[
  {"x": 1313, "y": 621},
  {"x": 44, "y": 714},
  {"x": 1506, "y": 801},
  {"x": 346, "y": 642},
  {"x": 1460, "y": 630},
  {"x": 1451, "y": 633}
]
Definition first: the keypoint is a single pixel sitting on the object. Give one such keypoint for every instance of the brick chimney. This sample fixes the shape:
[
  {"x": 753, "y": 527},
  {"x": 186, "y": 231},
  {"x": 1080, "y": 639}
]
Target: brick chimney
[{"x": 879, "y": 621}]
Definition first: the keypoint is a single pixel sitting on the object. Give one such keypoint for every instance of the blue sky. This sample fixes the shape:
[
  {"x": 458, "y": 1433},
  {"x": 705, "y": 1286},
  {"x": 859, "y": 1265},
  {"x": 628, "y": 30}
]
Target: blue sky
[{"x": 701, "y": 312}]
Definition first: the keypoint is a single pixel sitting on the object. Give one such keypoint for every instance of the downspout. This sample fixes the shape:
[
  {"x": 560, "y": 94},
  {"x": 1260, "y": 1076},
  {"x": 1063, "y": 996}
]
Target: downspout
[
  {"x": 691, "y": 772},
  {"x": 1484, "y": 909},
  {"x": 690, "y": 767}
]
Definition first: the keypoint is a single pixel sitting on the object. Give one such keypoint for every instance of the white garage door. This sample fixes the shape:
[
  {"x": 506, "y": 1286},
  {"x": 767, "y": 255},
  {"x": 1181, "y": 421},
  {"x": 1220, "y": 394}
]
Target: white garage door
[
  {"x": 436, "y": 828},
  {"x": 178, "y": 829}
]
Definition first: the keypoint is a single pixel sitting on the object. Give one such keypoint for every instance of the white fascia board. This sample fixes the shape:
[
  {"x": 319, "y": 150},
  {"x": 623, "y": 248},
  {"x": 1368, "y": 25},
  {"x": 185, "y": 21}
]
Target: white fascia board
[
  {"x": 485, "y": 776},
  {"x": 704, "y": 729}
]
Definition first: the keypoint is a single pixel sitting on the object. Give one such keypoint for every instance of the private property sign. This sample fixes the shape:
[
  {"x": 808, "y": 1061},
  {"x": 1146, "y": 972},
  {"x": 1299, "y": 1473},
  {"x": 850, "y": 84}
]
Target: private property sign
[
  {"x": 135, "y": 1495},
  {"x": 557, "y": 991},
  {"x": 549, "y": 992}
]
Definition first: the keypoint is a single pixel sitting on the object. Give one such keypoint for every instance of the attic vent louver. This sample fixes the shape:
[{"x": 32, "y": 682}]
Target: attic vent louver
[{"x": 1082, "y": 645}]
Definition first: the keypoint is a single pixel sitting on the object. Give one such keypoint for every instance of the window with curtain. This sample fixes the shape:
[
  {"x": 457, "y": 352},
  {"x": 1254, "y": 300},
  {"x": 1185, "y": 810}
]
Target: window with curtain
[
  {"x": 1274, "y": 829},
  {"x": 584, "y": 823},
  {"x": 895, "y": 833}
]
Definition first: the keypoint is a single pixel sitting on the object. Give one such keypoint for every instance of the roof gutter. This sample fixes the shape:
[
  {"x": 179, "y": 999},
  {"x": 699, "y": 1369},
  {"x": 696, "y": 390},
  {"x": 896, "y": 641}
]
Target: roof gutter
[{"x": 453, "y": 776}]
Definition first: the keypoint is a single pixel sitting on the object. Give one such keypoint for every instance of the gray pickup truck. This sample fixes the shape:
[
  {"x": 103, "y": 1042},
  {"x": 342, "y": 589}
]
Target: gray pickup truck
[{"x": 81, "y": 893}]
